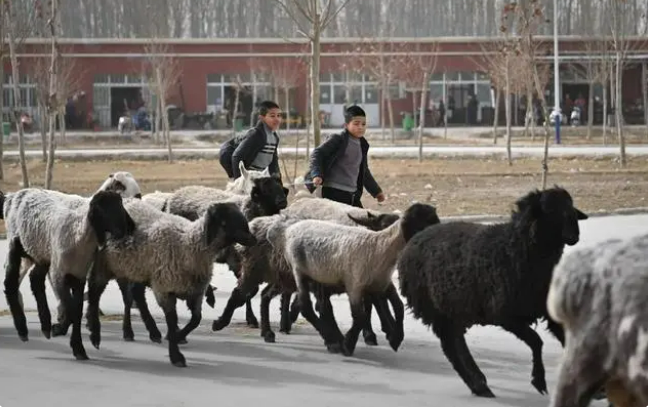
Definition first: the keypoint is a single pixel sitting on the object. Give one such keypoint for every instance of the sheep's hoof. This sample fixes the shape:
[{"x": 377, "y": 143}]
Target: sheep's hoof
[
  {"x": 253, "y": 323},
  {"x": 24, "y": 337},
  {"x": 269, "y": 337},
  {"x": 395, "y": 341},
  {"x": 540, "y": 384},
  {"x": 47, "y": 333},
  {"x": 81, "y": 354},
  {"x": 179, "y": 361},
  {"x": 182, "y": 341},
  {"x": 95, "y": 339},
  {"x": 218, "y": 324},
  {"x": 370, "y": 339},
  {"x": 285, "y": 330},
  {"x": 484, "y": 392},
  {"x": 59, "y": 330},
  {"x": 334, "y": 347},
  {"x": 129, "y": 336},
  {"x": 156, "y": 337}
]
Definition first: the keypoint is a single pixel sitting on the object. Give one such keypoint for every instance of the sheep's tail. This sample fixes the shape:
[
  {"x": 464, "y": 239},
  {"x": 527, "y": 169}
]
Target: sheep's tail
[{"x": 2, "y": 202}]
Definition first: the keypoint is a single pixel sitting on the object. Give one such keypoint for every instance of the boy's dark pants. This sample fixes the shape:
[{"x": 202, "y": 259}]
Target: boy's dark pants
[
  {"x": 338, "y": 195},
  {"x": 225, "y": 159}
]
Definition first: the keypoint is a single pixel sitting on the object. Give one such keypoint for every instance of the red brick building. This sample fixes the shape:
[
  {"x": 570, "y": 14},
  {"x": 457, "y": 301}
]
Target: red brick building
[{"x": 111, "y": 71}]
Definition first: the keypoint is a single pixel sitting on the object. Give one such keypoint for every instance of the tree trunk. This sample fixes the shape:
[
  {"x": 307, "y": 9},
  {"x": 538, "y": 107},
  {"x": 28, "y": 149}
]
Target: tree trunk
[
  {"x": 619, "y": 109},
  {"x": 605, "y": 113},
  {"x": 424, "y": 87},
  {"x": 590, "y": 110},
  {"x": 308, "y": 126},
  {"x": 158, "y": 120},
  {"x": 166, "y": 130},
  {"x": 507, "y": 111},
  {"x": 527, "y": 114},
  {"x": 644, "y": 94},
  {"x": 498, "y": 95},
  {"x": 49, "y": 169},
  {"x": 44, "y": 125},
  {"x": 17, "y": 102},
  {"x": 287, "y": 105},
  {"x": 315, "y": 85},
  {"x": 390, "y": 112}
]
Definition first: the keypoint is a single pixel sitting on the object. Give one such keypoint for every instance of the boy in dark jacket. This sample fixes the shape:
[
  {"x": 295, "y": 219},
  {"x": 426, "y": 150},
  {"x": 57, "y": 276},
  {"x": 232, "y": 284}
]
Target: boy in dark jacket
[
  {"x": 340, "y": 163},
  {"x": 257, "y": 148}
]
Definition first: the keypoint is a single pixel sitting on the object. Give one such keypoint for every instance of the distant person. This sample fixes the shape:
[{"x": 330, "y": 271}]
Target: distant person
[
  {"x": 257, "y": 148},
  {"x": 340, "y": 164}
]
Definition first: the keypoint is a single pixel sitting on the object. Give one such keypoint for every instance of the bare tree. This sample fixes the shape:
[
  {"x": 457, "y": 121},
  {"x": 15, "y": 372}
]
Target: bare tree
[
  {"x": 312, "y": 19},
  {"x": 54, "y": 97},
  {"x": 17, "y": 23},
  {"x": 415, "y": 70},
  {"x": 3, "y": 52},
  {"x": 163, "y": 73}
]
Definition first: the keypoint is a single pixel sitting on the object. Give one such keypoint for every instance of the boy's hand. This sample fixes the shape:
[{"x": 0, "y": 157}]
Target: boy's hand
[
  {"x": 317, "y": 181},
  {"x": 380, "y": 197}
]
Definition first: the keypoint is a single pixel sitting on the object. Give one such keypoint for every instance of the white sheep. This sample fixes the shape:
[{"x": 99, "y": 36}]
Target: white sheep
[
  {"x": 243, "y": 184},
  {"x": 598, "y": 295},
  {"x": 172, "y": 255},
  {"x": 123, "y": 183},
  {"x": 60, "y": 233},
  {"x": 354, "y": 260},
  {"x": 157, "y": 199}
]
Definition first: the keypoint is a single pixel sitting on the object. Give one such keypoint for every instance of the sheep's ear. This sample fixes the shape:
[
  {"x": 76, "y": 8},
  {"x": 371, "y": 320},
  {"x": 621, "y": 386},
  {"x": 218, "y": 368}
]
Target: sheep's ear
[
  {"x": 242, "y": 169},
  {"x": 138, "y": 196},
  {"x": 98, "y": 223},
  {"x": 360, "y": 221},
  {"x": 212, "y": 224},
  {"x": 286, "y": 191},
  {"x": 580, "y": 215},
  {"x": 370, "y": 215},
  {"x": 265, "y": 172}
]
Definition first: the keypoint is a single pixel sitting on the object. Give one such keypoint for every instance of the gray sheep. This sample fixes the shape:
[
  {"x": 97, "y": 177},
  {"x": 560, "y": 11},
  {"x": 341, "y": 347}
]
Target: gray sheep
[
  {"x": 59, "y": 233},
  {"x": 598, "y": 295},
  {"x": 172, "y": 255},
  {"x": 459, "y": 274},
  {"x": 348, "y": 259}
]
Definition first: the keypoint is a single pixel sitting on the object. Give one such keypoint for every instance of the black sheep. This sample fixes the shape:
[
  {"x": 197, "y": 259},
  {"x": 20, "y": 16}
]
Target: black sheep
[{"x": 458, "y": 274}]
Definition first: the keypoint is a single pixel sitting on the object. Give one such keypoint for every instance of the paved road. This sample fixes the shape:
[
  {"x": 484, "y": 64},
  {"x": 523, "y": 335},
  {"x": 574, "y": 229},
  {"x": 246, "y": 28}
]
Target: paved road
[
  {"x": 377, "y": 151},
  {"x": 235, "y": 367}
]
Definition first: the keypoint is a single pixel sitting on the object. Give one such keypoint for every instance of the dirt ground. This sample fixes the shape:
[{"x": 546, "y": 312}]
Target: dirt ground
[{"x": 456, "y": 186}]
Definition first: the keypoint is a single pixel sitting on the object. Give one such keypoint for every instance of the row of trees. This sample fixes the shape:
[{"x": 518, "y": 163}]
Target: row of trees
[{"x": 362, "y": 18}]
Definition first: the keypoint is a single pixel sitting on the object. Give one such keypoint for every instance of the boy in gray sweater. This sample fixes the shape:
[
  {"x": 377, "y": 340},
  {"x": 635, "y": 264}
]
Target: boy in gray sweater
[{"x": 340, "y": 163}]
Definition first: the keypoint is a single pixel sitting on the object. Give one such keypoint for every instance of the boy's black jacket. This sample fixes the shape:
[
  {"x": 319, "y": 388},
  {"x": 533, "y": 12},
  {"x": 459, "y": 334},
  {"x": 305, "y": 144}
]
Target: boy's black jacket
[
  {"x": 324, "y": 157},
  {"x": 249, "y": 145}
]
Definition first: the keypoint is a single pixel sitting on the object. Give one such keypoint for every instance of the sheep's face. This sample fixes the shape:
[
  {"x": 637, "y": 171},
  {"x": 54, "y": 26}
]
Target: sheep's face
[
  {"x": 108, "y": 215},
  {"x": 551, "y": 215},
  {"x": 376, "y": 223},
  {"x": 123, "y": 183},
  {"x": 270, "y": 195},
  {"x": 418, "y": 217},
  {"x": 558, "y": 206},
  {"x": 226, "y": 222}
]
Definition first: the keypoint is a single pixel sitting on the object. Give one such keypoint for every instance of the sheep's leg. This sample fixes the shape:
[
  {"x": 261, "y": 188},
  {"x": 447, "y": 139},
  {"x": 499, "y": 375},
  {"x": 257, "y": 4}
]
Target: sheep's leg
[
  {"x": 306, "y": 306},
  {"x": 533, "y": 341},
  {"x": 37, "y": 281},
  {"x": 580, "y": 377},
  {"x": 454, "y": 347},
  {"x": 267, "y": 295},
  {"x": 237, "y": 298},
  {"x": 398, "y": 334},
  {"x": 168, "y": 304},
  {"x": 138, "y": 292},
  {"x": 195, "y": 306},
  {"x": 96, "y": 286},
  {"x": 12, "y": 287},
  {"x": 328, "y": 319},
  {"x": 356, "y": 300},
  {"x": 127, "y": 298},
  {"x": 285, "y": 325},
  {"x": 368, "y": 334},
  {"x": 294, "y": 309},
  {"x": 557, "y": 330},
  {"x": 74, "y": 308},
  {"x": 250, "y": 318}
]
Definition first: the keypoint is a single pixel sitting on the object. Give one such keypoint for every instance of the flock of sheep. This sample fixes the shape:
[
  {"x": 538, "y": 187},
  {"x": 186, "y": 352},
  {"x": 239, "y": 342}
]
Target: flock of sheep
[{"x": 453, "y": 275}]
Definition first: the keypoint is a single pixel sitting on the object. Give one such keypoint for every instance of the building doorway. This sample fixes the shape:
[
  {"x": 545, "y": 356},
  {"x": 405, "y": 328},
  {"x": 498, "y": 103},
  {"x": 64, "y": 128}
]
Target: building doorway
[{"x": 123, "y": 100}]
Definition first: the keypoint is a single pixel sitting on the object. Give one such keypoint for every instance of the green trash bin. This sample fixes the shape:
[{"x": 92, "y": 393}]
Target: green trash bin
[
  {"x": 238, "y": 124},
  {"x": 6, "y": 129},
  {"x": 408, "y": 122}
]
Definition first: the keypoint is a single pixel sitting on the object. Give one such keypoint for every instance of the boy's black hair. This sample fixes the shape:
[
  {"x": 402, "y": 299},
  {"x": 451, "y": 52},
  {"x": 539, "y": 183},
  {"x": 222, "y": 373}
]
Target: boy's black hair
[
  {"x": 265, "y": 106},
  {"x": 353, "y": 111}
]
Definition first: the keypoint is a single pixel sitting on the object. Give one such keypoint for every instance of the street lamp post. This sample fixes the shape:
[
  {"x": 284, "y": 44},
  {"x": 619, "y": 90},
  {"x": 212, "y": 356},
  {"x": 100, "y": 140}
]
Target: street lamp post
[{"x": 556, "y": 113}]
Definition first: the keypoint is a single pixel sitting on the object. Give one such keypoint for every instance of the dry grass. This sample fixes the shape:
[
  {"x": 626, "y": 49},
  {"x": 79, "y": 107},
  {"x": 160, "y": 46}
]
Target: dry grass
[{"x": 455, "y": 185}]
